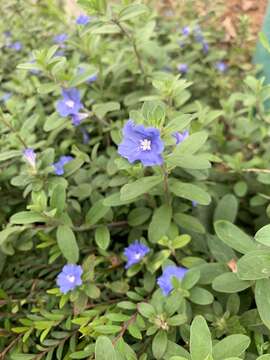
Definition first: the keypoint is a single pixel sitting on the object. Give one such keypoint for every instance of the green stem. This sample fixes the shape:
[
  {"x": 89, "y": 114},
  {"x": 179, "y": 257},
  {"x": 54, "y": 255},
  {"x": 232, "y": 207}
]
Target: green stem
[
  {"x": 8, "y": 125},
  {"x": 166, "y": 184}
]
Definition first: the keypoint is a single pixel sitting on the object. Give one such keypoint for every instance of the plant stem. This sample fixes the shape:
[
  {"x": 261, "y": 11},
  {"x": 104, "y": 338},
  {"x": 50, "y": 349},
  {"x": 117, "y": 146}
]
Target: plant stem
[
  {"x": 13, "y": 130},
  {"x": 134, "y": 45},
  {"x": 166, "y": 184}
]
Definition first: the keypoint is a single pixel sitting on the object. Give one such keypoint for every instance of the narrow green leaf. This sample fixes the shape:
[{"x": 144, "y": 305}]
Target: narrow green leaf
[
  {"x": 67, "y": 243},
  {"x": 200, "y": 339}
]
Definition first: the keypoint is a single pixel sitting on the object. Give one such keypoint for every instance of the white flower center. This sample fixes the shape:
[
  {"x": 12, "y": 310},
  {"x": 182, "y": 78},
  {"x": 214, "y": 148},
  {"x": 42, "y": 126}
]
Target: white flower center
[
  {"x": 137, "y": 256},
  {"x": 70, "y": 103},
  {"x": 145, "y": 144},
  {"x": 71, "y": 278}
]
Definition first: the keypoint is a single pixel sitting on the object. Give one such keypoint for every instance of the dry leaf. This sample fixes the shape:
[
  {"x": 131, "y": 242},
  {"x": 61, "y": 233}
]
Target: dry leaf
[{"x": 229, "y": 28}]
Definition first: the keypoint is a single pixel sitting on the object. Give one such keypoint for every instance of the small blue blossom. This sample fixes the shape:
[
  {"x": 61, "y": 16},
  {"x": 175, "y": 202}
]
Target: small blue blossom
[
  {"x": 186, "y": 31},
  {"x": 221, "y": 66},
  {"x": 71, "y": 102},
  {"x": 7, "y": 34},
  {"x": 85, "y": 135},
  {"x": 5, "y": 97},
  {"x": 59, "y": 165},
  {"x": 17, "y": 46},
  {"x": 165, "y": 280},
  {"x": 135, "y": 252},
  {"x": 30, "y": 156},
  {"x": 198, "y": 34},
  {"x": 69, "y": 278},
  {"x": 60, "y": 38},
  {"x": 180, "y": 136},
  {"x": 182, "y": 68},
  {"x": 141, "y": 143},
  {"x": 76, "y": 119},
  {"x": 194, "y": 203},
  {"x": 205, "y": 47},
  {"x": 83, "y": 19}
]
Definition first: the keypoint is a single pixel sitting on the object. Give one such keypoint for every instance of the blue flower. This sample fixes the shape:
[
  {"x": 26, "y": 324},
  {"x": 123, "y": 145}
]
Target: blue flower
[
  {"x": 7, "y": 34},
  {"x": 198, "y": 34},
  {"x": 221, "y": 66},
  {"x": 182, "y": 68},
  {"x": 82, "y": 19},
  {"x": 17, "y": 46},
  {"x": 60, "y": 38},
  {"x": 86, "y": 136},
  {"x": 186, "y": 30},
  {"x": 194, "y": 203},
  {"x": 71, "y": 102},
  {"x": 69, "y": 278},
  {"x": 30, "y": 156},
  {"x": 141, "y": 143},
  {"x": 6, "y": 96},
  {"x": 180, "y": 136},
  {"x": 59, "y": 165},
  {"x": 205, "y": 47},
  {"x": 76, "y": 119},
  {"x": 135, "y": 253},
  {"x": 165, "y": 280}
]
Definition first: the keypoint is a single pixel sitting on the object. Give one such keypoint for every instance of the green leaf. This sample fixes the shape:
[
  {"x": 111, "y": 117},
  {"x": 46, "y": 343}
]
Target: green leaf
[
  {"x": 191, "y": 278},
  {"x": 92, "y": 291},
  {"x": 139, "y": 187},
  {"x": 106, "y": 29},
  {"x": 138, "y": 216},
  {"x": 104, "y": 349},
  {"x": 201, "y": 296},
  {"x": 191, "y": 144},
  {"x": 159, "y": 344},
  {"x": 192, "y": 162},
  {"x": 189, "y": 222},
  {"x": 67, "y": 243},
  {"x": 107, "y": 329},
  {"x": 264, "y": 41},
  {"x": 227, "y": 208},
  {"x": 102, "y": 237},
  {"x": 263, "y": 235},
  {"x": 27, "y": 217},
  {"x": 254, "y": 265},
  {"x": 96, "y": 212},
  {"x": 231, "y": 346},
  {"x": 262, "y": 298},
  {"x": 200, "y": 339},
  {"x": 102, "y": 109},
  {"x": 177, "y": 320},
  {"x": 179, "y": 123},
  {"x": 191, "y": 192},
  {"x": 6, "y": 155},
  {"x": 230, "y": 283},
  {"x": 234, "y": 237},
  {"x": 82, "y": 77},
  {"x": 160, "y": 223},
  {"x": 58, "y": 198},
  {"x": 131, "y": 11},
  {"x": 145, "y": 309}
]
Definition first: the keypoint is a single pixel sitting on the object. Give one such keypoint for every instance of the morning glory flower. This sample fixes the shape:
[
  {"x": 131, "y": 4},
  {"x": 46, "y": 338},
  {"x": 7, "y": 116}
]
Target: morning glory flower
[
  {"x": 76, "y": 119},
  {"x": 182, "y": 68},
  {"x": 17, "y": 46},
  {"x": 82, "y": 19},
  {"x": 6, "y": 96},
  {"x": 69, "y": 278},
  {"x": 141, "y": 143},
  {"x": 186, "y": 30},
  {"x": 30, "y": 156},
  {"x": 221, "y": 66},
  {"x": 165, "y": 280},
  {"x": 60, "y": 38},
  {"x": 180, "y": 136},
  {"x": 135, "y": 252},
  {"x": 71, "y": 102},
  {"x": 59, "y": 165}
]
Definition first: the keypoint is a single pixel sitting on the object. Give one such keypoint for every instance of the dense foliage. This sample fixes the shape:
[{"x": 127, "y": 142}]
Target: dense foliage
[{"x": 134, "y": 187}]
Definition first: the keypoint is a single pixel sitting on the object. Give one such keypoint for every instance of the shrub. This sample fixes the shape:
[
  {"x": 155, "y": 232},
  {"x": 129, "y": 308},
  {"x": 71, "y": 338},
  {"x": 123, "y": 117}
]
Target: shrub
[{"x": 134, "y": 177}]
